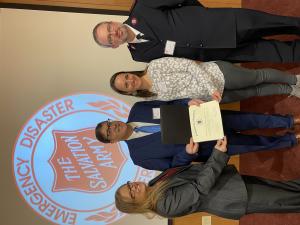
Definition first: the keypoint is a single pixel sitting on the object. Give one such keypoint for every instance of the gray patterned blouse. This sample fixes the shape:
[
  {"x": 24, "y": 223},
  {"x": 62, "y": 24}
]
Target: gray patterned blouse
[{"x": 176, "y": 78}]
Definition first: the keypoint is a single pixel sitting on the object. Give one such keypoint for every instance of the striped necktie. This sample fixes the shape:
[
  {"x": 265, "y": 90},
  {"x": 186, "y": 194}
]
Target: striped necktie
[{"x": 148, "y": 129}]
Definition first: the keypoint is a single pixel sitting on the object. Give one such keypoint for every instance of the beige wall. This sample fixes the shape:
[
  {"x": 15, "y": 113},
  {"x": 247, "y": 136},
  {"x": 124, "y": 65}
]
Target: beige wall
[{"x": 46, "y": 55}]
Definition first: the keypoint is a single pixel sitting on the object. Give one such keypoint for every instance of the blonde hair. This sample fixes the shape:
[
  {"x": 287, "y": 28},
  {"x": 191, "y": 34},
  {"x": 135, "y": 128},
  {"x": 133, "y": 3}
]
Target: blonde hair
[{"x": 148, "y": 206}]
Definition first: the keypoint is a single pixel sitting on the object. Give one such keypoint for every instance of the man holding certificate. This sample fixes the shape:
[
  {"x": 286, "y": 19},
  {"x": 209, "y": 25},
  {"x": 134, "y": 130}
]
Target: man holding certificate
[{"x": 143, "y": 136}]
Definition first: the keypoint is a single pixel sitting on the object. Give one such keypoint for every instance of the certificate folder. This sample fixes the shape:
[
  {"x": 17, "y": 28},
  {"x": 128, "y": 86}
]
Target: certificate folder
[
  {"x": 179, "y": 123},
  {"x": 175, "y": 124}
]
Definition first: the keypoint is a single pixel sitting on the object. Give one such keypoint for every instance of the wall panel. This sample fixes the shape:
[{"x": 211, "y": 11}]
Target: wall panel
[{"x": 123, "y": 5}]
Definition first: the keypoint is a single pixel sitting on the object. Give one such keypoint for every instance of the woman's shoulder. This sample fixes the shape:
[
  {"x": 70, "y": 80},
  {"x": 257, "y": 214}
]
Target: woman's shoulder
[
  {"x": 161, "y": 206},
  {"x": 159, "y": 61},
  {"x": 168, "y": 64}
]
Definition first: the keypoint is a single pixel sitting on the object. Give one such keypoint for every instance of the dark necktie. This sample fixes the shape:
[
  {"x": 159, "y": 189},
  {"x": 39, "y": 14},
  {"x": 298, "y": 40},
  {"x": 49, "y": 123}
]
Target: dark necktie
[{"x": 140, "y": 36}]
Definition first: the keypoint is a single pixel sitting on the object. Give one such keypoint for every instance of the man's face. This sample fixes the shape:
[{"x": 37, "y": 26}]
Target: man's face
[
  {"x": 112, "y": 34},
  {"x": 114, "y": 131}
]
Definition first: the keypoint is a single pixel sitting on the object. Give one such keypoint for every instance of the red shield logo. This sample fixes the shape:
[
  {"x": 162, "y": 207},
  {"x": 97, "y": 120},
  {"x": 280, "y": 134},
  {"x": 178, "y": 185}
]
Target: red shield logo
[{"x": 81, "y": 163}]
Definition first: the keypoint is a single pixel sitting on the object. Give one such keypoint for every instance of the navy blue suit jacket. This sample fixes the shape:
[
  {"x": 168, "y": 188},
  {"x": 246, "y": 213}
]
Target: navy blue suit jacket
[{"x": 148, "y": 151}]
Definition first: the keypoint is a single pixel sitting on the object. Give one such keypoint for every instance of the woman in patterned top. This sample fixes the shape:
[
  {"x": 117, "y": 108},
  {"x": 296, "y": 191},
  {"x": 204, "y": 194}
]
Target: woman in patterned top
[{"x": 173, "y": 78}]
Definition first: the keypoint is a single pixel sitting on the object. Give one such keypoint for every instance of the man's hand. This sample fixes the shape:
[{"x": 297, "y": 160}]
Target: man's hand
[
  {"x": 222, "y": 144},
  {"x": 192, "y": 147},
  {"x": 195, "y": 101},
  {"x": 216, "y": 96}
]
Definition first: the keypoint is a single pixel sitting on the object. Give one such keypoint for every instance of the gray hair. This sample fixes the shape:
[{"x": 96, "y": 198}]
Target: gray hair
[{"x": 95, "y": 35}]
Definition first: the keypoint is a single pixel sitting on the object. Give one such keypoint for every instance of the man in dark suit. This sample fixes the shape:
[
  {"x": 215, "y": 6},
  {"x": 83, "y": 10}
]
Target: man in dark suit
[
  {"x": 146, "y": 149},
  {"x": 185, "y": 28}
]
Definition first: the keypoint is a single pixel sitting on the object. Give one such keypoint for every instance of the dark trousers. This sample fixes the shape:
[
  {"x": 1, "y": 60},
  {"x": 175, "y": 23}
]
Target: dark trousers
[
  {"x": 252, "y": 26},
  {"x": 268, "y": 196},
  {"x": 234, "y": 122}
]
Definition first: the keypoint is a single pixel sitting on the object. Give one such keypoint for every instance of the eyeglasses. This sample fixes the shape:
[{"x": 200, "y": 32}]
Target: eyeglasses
[
  {"x": 131, "y": 192},
  {"x": 109, "y": 124},
  {"x": 109, "y": 36}
]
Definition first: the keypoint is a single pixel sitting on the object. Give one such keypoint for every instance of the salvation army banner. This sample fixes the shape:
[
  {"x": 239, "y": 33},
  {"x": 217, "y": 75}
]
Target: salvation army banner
[{"x": 62, "y": 172}]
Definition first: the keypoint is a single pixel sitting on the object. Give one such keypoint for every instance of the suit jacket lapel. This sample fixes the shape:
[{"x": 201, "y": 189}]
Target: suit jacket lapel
[
  {"x": 143, "y": 113},
  {"x": 138, "y": 143},
  {"x": 137, "y": 21},
  {"x": 147, "y": 51},
  {"x": 145, "y": 47}
]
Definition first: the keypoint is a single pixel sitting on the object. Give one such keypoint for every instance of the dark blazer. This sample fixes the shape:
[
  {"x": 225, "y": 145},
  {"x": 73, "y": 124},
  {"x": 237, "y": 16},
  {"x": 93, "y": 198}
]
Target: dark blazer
[
  {"x": 212, "y": 187},
  {"x": 182, "y": 21},
  {"x": 148, "y": 151},
  {"x": 206, "y": 34}
]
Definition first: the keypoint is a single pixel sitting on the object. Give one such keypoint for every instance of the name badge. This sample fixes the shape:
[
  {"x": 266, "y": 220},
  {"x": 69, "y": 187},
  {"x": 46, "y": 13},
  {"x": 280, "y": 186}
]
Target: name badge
[
  {"x": 156, "y": 113},
  {"x": 170, "y": 47}
]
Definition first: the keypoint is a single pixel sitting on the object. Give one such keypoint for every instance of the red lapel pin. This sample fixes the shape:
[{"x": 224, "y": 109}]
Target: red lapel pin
[{"x": 134, "y": 21}]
